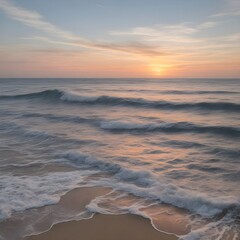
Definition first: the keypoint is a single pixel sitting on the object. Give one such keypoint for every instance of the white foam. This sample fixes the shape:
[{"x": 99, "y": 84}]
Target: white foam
[
  {"x": 23, "y": 192},
  {"x": 147, "y": 185},
  {"x": 139, "y": 177},
  {"x": 133, "y": 208},
  {"x": 216, "y": 230},
  {"x": 201, "y": 229},
  {"x": 168, "y": 193}
]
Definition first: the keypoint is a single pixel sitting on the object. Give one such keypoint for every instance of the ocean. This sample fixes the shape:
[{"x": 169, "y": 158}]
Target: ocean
[{"x": 166, "y": 147}]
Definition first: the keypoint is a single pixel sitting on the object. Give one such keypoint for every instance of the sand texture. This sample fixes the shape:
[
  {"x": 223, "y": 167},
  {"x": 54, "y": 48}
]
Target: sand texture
[{"x": 105, "y": 227}]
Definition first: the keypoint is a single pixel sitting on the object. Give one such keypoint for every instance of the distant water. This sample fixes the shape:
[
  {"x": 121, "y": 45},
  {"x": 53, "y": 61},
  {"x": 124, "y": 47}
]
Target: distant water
[{"x": 161, "y": 141}]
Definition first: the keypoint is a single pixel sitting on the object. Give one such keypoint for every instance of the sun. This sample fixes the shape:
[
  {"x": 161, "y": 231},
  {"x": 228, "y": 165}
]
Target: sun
[{"x": 159, "y": 69}]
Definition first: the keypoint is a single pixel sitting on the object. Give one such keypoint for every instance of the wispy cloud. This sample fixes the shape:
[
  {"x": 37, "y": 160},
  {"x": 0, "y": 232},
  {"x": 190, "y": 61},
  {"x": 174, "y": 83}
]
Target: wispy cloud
[
  {"x": 179, "y": 33},
  {"x": 130, "y": 47},
  {"x": 134, "y": 47},
  {"x": 35, "y": 20},
  {"x": 206, "y": 25},
  {"x": 184, "y": 42},
  {"x": 226, "y": 13}
]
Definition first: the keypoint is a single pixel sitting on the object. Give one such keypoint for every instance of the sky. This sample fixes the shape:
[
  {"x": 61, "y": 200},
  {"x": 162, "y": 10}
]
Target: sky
[{"x": 120, "y": 38}]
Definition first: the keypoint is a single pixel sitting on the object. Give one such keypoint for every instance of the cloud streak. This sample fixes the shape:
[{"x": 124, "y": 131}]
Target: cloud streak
[
  {"x": 35, "y": 20},
  {"x": 226, "y": 13},
  {"x": 179, "y": 33},
  {"x": 158, "y": 46}
]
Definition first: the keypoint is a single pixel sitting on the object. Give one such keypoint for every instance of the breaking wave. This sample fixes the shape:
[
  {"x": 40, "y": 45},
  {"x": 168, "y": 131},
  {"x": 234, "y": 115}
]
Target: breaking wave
[
  {"x": 68, "y": 96},
  {"x": 146, "y": 185},
  {"x": 130, "y": 127},
  {"x": 170, "y": 128}
]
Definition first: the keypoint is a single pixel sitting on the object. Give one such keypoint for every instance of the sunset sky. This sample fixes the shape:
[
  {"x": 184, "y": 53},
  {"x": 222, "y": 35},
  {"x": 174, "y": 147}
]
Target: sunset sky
[{"x": 113, "y": 38}]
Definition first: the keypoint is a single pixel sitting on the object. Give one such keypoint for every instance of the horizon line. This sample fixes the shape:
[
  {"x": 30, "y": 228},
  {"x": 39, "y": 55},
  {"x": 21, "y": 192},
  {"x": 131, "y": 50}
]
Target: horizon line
[{"x": 220, "y": 78}]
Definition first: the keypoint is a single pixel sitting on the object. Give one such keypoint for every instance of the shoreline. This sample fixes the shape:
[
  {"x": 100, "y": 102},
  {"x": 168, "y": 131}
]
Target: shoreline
[
  {"x": 54, "y": 222},
  {"x": 97, "y": 227},
  {"x": 105, "y": 227}
]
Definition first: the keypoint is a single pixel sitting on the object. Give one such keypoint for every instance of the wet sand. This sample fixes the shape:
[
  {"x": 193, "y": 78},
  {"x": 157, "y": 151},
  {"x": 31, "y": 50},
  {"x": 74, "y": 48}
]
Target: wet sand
[
  {"x": 105, "y": 227},
  {"x": 41, "y": 219},
  {"x": 100, "y": 227}
]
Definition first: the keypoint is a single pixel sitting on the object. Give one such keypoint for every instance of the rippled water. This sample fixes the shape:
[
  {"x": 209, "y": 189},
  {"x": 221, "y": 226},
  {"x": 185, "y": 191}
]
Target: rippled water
[{"x": 154, "y": 142}]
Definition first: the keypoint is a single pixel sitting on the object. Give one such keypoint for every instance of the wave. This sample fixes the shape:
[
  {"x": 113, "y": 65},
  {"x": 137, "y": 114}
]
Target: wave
[
  {"x": 36, "y": 191},
  {"x": 140, "y": 102},
  {"x": 179, "y": 92},
  {"x": 118, "y": 127},
  {"x": 8, "y": 127},
  {"x": 47, "y": 94},
  {"x": 139, "y": 178},
  {"x": 127, "y": 127},
  {"x": 169, "y": 128},
  {"x": 186, "y": 92},
  {"x": 175, "y": 92},
  {"x": 71, "y": 97},
  {"x": 146, "y": 185}
]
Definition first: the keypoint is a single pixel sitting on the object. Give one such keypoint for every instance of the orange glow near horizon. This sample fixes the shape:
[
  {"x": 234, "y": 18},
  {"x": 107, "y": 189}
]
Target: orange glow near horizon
[
  {"x": 29, "y": 63},
  {"x": 45, "y": 47},
  {"x": 159, "y": 69}
]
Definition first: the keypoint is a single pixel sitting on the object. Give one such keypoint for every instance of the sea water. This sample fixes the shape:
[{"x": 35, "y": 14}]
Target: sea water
[{"x": 157, "y": 142}]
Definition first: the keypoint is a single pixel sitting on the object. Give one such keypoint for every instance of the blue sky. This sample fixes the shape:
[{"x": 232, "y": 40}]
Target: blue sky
[{"x": 144, "y": 38}]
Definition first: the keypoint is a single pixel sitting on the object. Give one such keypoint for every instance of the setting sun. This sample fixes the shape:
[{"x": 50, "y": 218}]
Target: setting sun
[{"x": 160, "y": 69}]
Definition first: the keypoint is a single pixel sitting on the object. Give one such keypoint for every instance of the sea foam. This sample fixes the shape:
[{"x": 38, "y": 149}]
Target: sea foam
[
  {"x": 147, "y": 185},
  {"x": 19, "y": 193}
]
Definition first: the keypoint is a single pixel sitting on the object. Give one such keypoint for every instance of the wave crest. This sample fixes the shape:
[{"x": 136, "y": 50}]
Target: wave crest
[
  {"x": 169, "y": 128},
  {"x": 146, "y": 185},
  {"x": 47, "y": 94},
  {"x": 72, "y": 97}
]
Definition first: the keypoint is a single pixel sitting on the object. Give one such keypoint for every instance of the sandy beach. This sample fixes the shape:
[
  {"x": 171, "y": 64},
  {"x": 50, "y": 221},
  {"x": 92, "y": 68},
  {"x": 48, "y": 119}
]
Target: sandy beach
[
  {"x": 99, "y": 227},
  {"x": 105, "y": 227}
]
